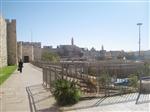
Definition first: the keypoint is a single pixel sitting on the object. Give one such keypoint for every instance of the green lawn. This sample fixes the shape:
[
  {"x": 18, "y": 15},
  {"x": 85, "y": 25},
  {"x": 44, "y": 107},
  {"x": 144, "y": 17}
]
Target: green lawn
[{"x": 6, "y": 72}]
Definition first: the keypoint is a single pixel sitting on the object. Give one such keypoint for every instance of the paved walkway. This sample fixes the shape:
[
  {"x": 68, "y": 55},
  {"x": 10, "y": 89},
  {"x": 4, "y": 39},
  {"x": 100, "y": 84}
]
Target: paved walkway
[
  {"x": 23, "y": 92},
  {"x": 15, "y": 92},
  {"x": 123, "y": 103}
]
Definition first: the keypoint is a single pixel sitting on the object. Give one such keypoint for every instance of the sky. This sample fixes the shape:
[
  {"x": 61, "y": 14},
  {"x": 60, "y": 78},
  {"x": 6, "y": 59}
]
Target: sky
[{"x": 110, "y": 23}]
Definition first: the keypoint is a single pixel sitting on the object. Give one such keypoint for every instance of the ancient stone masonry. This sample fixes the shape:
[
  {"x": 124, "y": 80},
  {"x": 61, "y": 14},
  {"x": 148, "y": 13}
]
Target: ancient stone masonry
[
  {"x": 29, "y": 51},
  {"x": 8, "y": 42},
  {"x": 11, "y": 42},
  {"x": 3, "y": 43}
]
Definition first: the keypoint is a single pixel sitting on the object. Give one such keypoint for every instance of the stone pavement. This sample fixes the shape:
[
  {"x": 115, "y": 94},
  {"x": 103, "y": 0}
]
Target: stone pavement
[{"x": 23, "y": 92}]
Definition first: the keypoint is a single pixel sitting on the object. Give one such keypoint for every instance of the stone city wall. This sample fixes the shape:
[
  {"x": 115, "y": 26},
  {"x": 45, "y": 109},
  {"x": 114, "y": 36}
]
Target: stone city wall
[
  {"x": 11, "y": 42},
  {"x": 3, "y": 43},
  {"x": 32, "y": 50}
]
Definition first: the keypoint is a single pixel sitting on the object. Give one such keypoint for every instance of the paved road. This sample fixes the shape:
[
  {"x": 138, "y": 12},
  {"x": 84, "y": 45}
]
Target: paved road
[{"x": 13, "y": 94}]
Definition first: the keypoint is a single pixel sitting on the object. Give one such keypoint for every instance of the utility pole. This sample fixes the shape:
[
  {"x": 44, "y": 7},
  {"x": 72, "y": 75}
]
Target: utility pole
[{"x": 139, "y": 24}]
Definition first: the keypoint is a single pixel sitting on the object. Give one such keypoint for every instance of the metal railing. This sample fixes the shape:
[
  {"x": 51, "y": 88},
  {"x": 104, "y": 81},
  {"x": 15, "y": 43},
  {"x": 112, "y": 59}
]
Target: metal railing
[{"x": 88, "y": 76}]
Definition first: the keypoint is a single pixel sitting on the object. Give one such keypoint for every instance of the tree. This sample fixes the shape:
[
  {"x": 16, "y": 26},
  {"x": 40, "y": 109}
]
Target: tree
[
  {"x": 146, "y": 69},
  {"x": 49, "y": 56},
  {"x": 133, "y": 80},
  {"x": 104, "y": 79}
]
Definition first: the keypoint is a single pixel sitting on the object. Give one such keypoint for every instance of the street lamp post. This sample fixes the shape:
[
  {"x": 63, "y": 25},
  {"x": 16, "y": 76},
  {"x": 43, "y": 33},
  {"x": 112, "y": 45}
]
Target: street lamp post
[
  {"x": 139, "y": 24},
  {"x": 32, "y": 48}
]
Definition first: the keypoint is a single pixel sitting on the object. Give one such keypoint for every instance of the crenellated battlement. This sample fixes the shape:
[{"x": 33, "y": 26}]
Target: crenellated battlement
[{"x": 10, "y": 21}]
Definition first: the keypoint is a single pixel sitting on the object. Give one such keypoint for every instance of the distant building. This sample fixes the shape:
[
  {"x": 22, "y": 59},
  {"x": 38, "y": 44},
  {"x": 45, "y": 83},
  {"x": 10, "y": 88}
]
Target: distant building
[
  {"x": 117, "y": 54},
  {"x": 69, "y": 51},
  {"x": 93, "y": 54},
  {"x": 49, "y": 49},
  {"x": 29, "y": 51},
  {"x": 86, "y": 53},
  {"x": 108, "y": 56},
  {"x": 90, "y": 55},
  {"x": 72, "y": 41},
  {"x": 144, "y": 55},
  {"x": 102, "y": 53}
]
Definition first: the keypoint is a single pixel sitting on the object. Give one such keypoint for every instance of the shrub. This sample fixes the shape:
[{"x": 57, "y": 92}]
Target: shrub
[
  {"x": 104, "y": 79},
  {"x": 48, "y": 56},
  {"x": 133, "y": 80},
  {"x": 65, "y": 92},
  {"x": 146, "y": 70},
  {"x": 91, "y": 71}
]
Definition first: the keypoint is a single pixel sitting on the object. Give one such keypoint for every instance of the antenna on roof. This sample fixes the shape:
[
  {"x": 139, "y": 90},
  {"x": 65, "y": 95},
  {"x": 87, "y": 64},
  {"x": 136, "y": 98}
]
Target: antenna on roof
[
  {"x": 72, "y": 41},
  {"x": 31, "y": 36}
]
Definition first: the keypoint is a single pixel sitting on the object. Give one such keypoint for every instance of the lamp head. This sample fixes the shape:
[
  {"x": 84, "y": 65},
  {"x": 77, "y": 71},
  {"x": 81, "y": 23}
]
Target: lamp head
[{"x": 139, "y": 23}]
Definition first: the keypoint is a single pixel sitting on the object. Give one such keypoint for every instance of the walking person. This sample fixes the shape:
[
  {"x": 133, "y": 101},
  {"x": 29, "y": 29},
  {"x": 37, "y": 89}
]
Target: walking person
[{"x": 20, "y": 65}]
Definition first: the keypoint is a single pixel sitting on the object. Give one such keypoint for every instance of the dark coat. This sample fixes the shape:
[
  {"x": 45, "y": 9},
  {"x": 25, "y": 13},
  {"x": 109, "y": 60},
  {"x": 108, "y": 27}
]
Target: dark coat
[{"x": 20, "y": 64}]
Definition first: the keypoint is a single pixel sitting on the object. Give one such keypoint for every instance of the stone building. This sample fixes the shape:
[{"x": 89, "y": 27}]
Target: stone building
[
  {"x": 117, "y": 54},
  {"x": 49, "y": 49},
  {"x": 72, "y": 41},
  {"x": 3, "y": 43},
  {"x": 11, "y": 42},
  {"x": 29, "y": 51},
  {"x": 104, "y": 55},
  {"x": 8, "y": 42},
  {"x": 69, "y": 51}
]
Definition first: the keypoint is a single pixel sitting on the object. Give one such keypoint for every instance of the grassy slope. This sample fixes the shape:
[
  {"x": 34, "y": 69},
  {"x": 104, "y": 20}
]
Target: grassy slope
[{"x": 6, "y": 72}]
